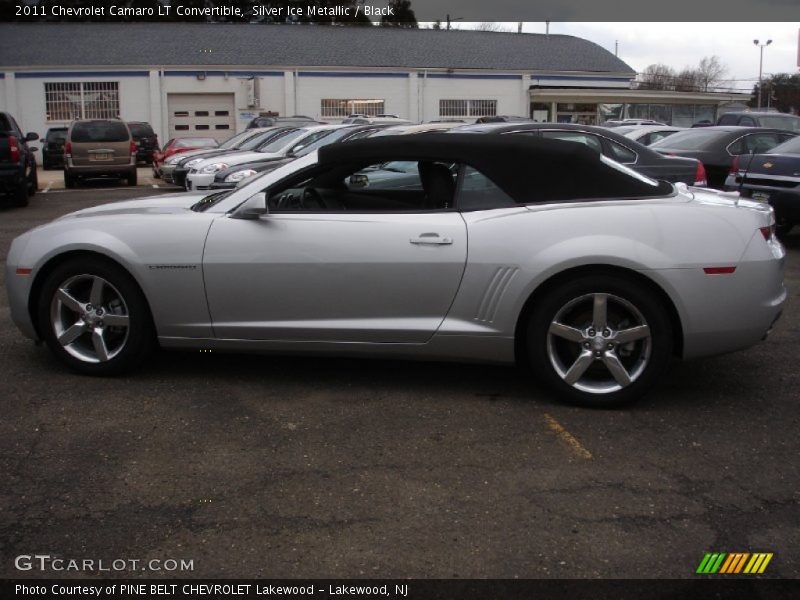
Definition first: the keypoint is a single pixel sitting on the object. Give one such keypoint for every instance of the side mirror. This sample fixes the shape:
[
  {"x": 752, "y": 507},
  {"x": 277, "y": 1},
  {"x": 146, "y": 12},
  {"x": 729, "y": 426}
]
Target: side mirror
[
  {"x": 253, "y": 207},
  {"x": 31, "y": 137}
]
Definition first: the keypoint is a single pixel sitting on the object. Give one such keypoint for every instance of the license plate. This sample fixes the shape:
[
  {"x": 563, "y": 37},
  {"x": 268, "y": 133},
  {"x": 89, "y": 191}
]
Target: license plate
[
  {"x": 760, "y": 196},
  {"x": 100, "y": 156}
]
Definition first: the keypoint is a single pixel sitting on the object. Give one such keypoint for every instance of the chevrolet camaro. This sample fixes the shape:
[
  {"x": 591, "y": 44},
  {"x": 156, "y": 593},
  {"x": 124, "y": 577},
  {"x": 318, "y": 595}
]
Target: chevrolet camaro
[{"x": 500, "y": 249}]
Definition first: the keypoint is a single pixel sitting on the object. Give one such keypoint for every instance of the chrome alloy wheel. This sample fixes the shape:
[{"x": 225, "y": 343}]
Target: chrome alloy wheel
[
  {"x": 599, "y": 343},
  {"x": 89, "y": 318}
]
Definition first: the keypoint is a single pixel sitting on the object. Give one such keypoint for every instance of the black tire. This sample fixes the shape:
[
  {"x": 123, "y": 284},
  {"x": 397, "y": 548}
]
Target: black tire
[
  {"x": 69, "y": 180},
  {"x": 783, "y": 226},
  {"x": 19, "y": 198},
  {"x": 628, "y": 302},
  {"x": 131, "y": 179},
  {"x": 33, "y": 185},
  {"x": 140, "y": 338}
]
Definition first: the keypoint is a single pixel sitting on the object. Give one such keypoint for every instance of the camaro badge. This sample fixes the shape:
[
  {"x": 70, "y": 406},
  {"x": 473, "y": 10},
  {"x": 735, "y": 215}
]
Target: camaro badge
[{"x": 767, "y": 165}]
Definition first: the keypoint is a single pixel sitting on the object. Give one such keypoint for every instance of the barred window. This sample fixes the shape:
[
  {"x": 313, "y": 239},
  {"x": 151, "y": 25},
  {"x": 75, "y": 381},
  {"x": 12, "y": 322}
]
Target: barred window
[
  {"x": 343, "y": 108},
  {"x": 67, "y": 101},
  {"x": 467, "y": 108}
]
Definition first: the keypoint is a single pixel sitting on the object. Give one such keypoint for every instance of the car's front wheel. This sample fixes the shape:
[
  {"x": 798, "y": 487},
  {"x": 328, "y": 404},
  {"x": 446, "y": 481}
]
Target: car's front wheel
[
  {"x": 600, "y": 340},
  {"x": 94, "y": 317}
]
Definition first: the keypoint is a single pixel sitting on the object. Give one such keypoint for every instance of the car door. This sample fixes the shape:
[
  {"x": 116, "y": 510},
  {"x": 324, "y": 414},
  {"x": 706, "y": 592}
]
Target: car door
[{"x": 378, "y": 271}]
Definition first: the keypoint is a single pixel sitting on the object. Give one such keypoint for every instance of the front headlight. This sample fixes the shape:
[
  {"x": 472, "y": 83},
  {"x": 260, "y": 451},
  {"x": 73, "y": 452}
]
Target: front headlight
[
  {"x": 216, "y": 167},
  {"x": 192, "y": 162},
  {"x": 239, "y": 175}
]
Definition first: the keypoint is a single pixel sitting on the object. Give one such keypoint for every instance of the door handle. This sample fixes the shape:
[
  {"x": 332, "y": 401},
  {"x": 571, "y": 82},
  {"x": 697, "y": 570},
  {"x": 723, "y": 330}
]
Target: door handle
[{"x": 431, "y": 239}]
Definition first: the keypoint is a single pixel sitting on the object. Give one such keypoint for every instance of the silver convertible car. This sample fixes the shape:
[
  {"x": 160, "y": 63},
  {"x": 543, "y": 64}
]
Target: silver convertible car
[{"x": 493, "y": 249}]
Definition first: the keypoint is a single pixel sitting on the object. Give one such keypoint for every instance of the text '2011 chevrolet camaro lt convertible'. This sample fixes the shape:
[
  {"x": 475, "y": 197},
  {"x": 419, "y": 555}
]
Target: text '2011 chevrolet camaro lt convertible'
[{"x": 435, "y": 246}]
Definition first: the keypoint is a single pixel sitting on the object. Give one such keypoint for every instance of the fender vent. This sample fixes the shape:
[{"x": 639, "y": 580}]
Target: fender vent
[{"x": 494, "y": 293}]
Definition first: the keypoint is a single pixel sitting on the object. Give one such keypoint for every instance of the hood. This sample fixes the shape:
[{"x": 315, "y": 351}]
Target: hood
[
  {"x": 238, "y": 158},
  {"x": 151, "y": 205}
]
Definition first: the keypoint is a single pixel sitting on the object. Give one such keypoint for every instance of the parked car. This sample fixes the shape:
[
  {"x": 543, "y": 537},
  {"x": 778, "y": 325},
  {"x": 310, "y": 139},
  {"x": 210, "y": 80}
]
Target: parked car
[
  {"x": 99, "y": 148},
  {"x": 18, "y": 175},
  {"x": 647, "y": 134},
  {"x": 202, "y": 174},
  {"x": 179, "y": 146},
  {"x": 503, "y": 119},
  {"x": 772, "y": 177},
  {"x": 146, "y": 140},
  {"x": 716, "y": 147},
  {"x": 593, "y": 275},
  {"x": 237, "y": 174},
  {"x": 622, "y": 122},
  {"x": 53, "y": 148},
  {"x": 771, "y": 120},
  {"x": 376, "y": 120},
  {"x": 295, "y": 121},
  {"x": 608, "y": 143},
  {"x": 255, "y": 139}
]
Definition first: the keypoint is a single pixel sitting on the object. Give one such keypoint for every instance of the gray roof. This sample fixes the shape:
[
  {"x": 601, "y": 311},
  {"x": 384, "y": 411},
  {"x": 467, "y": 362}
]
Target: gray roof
[{"x": 188, "y": 44}]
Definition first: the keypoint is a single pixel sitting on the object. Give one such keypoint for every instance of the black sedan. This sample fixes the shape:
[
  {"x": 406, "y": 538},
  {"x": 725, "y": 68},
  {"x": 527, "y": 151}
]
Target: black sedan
[
  {"x": 717, "y": 146},
  {"x": 773, "y": 177},
  {"x": 53, "y": 148},
  {"x": 608, "y": 143},
  {"x": 232, "y": 176}
]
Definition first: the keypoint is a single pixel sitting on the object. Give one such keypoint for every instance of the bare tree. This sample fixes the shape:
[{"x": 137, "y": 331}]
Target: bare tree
[
  {"x": 492, "y": 26},
  {"x": 657, "y": 77},
  {"x": 711, "y": 72}
]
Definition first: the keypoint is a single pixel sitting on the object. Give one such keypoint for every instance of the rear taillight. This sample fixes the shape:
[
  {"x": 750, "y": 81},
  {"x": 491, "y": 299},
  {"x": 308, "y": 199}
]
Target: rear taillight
[
  {"x": 68, "y": 149},
  {"x": 13, "y": 147},
  {"x": 767, "y": 232},
  {"x": 133, "y": 147},
  {"x": 700, "y": 175},
  {"x": 734, "y": 166}
]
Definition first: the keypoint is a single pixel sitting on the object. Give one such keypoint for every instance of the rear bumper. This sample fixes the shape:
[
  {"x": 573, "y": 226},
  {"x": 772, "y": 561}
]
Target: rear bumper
[
  {"x": 11, "y": 178},
  {"x": 100, "y": 169}
]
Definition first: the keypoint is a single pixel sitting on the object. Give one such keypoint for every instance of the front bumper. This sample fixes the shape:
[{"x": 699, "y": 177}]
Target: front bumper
[
  {"x": 199, "y": 181},
  {"x": 167, "y": 173}
]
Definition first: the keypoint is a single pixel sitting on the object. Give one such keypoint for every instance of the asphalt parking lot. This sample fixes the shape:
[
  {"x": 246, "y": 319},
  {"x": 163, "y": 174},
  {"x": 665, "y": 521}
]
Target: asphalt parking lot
[{"x": 301, "y": 467}]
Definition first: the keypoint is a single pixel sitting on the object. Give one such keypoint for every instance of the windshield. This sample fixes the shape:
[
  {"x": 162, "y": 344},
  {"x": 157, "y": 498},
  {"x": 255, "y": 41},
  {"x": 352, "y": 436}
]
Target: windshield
[
  {"x": 141, "y": 129},
  {"x": 99, "y": 131},
  {"x": 283, "y": 141},
  {"x": 232, "y": 142},
  {"x": 196, "y": 143},
  {"x": 781, "y": 122},
  {"x": 790, "y": 147},
  {"x": 312, "y": 142},
  {"x": 695, "y": 139},
  {"x": 262, "y": 138}
]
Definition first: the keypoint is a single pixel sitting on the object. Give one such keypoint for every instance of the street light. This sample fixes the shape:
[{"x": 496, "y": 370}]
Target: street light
[{"x": 760, "y": 66}]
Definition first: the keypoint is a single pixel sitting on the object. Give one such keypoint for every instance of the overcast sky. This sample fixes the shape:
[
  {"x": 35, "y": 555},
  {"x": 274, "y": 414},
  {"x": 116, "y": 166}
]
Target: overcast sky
[{"x": 684, "y": 44}]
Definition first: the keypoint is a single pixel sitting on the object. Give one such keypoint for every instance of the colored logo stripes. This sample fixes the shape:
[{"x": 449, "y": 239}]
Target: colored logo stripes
[{"x": 734, "y": 562}]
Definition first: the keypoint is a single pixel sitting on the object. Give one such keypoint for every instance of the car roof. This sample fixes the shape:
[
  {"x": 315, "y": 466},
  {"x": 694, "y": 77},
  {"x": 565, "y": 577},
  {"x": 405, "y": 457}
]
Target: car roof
[{"x": 511, "y": 162}]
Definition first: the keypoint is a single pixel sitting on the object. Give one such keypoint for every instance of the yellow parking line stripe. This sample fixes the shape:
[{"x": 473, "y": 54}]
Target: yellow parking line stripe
[
  {"x": 754, "y": 562},
  {"x": 567, "y": 437},
  {"x": 765, "y": 563}
]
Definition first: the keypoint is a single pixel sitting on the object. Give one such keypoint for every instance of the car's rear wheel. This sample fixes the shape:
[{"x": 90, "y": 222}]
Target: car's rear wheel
[
  {"x": 131, "y": 178},
  {"x": 600, "y": 340},
  {"x": 20, "y": 195},
  {"x": 94, "y": 317},
  {"x": 69, "y": 180},
  {"x": 33, "y": 181}
]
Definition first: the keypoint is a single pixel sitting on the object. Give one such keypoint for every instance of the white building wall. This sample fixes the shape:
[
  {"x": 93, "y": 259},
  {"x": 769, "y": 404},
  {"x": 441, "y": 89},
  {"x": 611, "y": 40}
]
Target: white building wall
[
  {"x": 311, "y": 90},
  {"x": 506, "y": 91}
]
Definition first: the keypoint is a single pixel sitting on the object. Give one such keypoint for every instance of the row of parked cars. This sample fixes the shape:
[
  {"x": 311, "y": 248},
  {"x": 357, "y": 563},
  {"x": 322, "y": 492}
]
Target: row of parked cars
[{"x": 728, "y": 158}]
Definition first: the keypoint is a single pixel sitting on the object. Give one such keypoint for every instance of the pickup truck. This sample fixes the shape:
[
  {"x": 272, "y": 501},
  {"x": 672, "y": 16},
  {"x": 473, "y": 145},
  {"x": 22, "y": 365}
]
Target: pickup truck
[{"x": 18, "y": 179}]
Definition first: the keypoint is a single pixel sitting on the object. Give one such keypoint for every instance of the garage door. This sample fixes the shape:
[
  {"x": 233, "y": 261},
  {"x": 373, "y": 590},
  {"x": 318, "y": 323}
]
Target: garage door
[{"x": 206, "y": 115}]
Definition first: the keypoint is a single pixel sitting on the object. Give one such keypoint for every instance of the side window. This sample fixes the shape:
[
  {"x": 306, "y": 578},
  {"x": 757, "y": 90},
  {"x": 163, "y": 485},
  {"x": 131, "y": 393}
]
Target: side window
[
  {"x": 387, "y": 186},
  {"x": 652, "y": 138},
  {"x": 14, "y": 125},
  {"x": 758, "y": 143},
  {"x": 576, "y": 136},
  {"x": 727, "y": 120},
  {"x": 747, "y": 122},
  {"x": 478, "y": 192},
  {"x": 621, "y": 154}
]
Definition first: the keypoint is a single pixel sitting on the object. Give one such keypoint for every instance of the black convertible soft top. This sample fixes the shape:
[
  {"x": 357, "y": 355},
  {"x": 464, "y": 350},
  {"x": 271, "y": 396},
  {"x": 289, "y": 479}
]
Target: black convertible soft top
[{"x": 528, "y": 169}]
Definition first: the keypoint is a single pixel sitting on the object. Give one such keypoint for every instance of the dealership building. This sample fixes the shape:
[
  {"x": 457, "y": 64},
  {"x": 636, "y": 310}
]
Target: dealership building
[{"x": 211, "y": 79}]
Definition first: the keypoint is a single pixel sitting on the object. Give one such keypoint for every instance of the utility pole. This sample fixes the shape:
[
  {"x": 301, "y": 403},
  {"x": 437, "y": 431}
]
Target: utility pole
[
  {"x": 760, "y": 66},
  {"x": 616, "y": 47}
]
